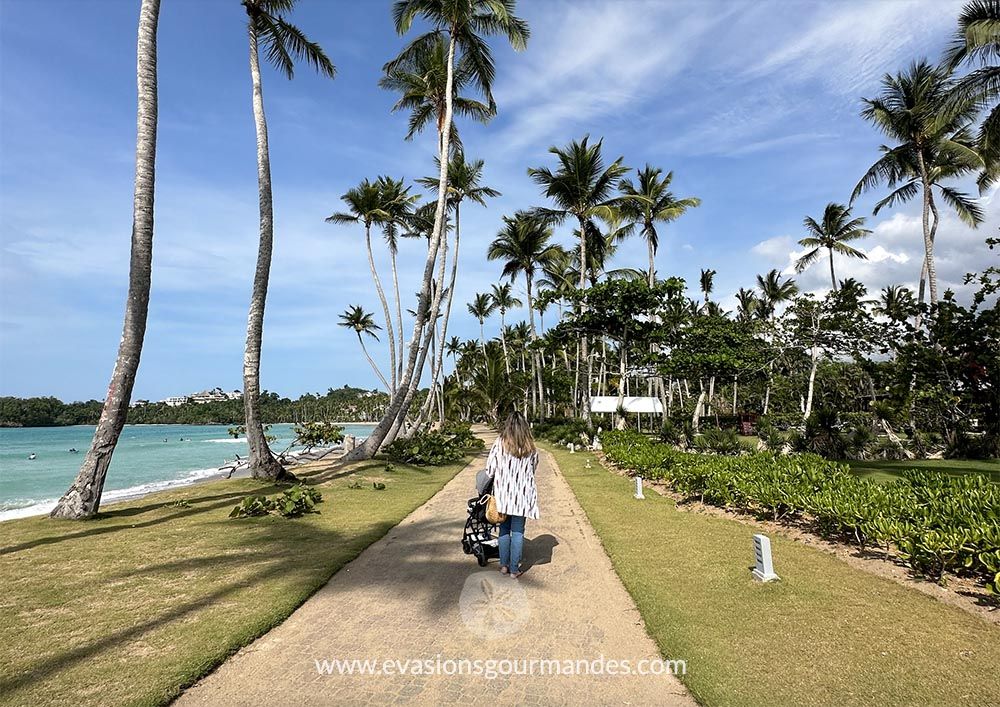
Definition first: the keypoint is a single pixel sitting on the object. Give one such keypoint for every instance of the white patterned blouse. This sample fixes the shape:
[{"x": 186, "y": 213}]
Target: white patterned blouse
[{"x": 513, "y": 481}]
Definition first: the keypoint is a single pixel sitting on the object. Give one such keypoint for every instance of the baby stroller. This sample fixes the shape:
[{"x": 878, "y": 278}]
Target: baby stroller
[{"x": 478, "y": 538}]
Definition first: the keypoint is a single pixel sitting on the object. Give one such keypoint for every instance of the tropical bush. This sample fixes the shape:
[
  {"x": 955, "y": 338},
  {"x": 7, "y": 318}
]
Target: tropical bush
[
  {"x": 429, "y": 448},
  {"x": 462, "y": 435},
  {"x": 718, "y": 441},
  {"x": 937, "y": 523},
  {"x": 290, "y": 503}
]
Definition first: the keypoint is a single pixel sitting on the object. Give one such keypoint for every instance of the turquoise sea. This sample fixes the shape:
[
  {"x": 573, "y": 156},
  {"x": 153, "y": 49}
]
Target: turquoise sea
[{"x": 148, "y": 458}]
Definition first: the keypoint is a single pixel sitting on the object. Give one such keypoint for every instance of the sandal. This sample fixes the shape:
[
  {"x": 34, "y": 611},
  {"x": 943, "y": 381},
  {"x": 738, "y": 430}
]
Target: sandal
[
  {"x": 504, "y": 570},
  {"x": 516, "y": 575}
]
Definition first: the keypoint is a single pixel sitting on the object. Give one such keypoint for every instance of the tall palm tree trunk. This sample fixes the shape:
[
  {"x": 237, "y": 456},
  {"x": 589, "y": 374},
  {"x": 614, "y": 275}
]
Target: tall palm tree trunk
[
  {"x": 503, "y": 341},
  {"x": 536, "y": 374},
  {"x": 925, "y": 222},
  {"x": 262, "y": 463},
  {"x": 652, "y": 262},
  {"x": 439, "y": 365},
  {"x": 585, "y": 411},
  {"x": 397, "y": 372},
  {"x": 400, "y": 402},
  {"x": 389, "y": 328},
  {"x": 833, "y": 278},
  {"x": 83, "y": 497},
  {"x": 371, "y": 361}
]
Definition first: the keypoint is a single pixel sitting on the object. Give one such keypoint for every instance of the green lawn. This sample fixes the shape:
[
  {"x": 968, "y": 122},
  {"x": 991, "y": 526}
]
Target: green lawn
[
  {"x": 826, "y": 634},
  {"x": 882, "y": 470},
  {"x": 133, "y": 606}
]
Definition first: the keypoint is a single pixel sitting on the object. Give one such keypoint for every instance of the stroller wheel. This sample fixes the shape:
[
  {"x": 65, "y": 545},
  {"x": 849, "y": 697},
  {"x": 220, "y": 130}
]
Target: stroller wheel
[
  {"x": 482, "y": 559},
  {"x": 466, "y": 547}
]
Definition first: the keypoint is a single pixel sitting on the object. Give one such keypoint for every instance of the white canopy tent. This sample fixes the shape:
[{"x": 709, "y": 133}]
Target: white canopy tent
[{"x": 639, "y": 405}]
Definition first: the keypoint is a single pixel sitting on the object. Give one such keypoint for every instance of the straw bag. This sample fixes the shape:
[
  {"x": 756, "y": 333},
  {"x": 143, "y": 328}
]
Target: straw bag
[{"x": 493, "y": 516}]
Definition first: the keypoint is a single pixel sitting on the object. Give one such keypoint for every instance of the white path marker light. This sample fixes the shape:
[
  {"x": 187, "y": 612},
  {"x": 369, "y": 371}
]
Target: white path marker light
[
  {"x": 638, "y": 488},
  {"x": 764, "y": 570},
  {"x": 572, "y": 448}
]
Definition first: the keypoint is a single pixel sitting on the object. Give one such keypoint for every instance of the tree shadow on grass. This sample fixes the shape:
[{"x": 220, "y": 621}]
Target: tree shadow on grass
[{"x": 104, "y": 523}]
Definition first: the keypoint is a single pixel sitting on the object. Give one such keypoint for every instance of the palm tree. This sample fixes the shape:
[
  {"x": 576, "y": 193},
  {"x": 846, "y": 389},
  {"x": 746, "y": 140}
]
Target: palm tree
[
  {"x": 652, "y": 203},
  {"x": 363, "y": 322},
  {"x": 773, "y": 291},
  {"x": 283, "y": 44},
  {"x": 934, "y": 143},
  {"x": 421, "y": 81},
  {"x": 977, "y": 43},
  {"x": 464, "y": 179},
  {"x": 503, "y": 299},
  {"x": 368, "y": 206},
  {"x": 398, "y": 204},
  {"x": 523, "y": 246},
  {"x": 833, "y": 234},
  {"x": 83, "y": 497},
  {"x": 463, "y": 24},
  {"x": 706, "y": 283},
  {"x": 748, "y": 304},
  {"x": 481, "y": 308},
  {"x": 896, "y": 303},
  {"x": 582, "y": 187}
]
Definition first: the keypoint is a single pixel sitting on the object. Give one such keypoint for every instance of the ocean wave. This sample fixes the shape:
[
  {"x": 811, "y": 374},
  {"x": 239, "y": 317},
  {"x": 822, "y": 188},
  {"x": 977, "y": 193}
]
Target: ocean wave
[{"x": 34, "y": 507}]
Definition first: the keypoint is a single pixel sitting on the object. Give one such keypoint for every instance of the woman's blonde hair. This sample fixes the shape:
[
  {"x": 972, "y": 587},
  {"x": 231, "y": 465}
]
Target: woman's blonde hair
[{"x": 516, "y": 436}]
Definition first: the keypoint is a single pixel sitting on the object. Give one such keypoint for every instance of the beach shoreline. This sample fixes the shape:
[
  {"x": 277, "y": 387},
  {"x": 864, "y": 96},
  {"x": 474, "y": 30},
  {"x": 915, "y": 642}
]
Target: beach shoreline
[{"x": 193, "y": 478}]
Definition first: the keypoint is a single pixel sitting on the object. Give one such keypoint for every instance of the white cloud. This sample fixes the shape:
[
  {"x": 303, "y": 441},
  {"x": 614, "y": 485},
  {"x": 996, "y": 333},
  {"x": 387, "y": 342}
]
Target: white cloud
[{"x": 895, "y": 253}]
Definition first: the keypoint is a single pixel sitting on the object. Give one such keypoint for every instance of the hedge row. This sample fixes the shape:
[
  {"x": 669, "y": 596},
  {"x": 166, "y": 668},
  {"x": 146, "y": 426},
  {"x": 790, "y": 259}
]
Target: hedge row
[{"x": 937, "y": 523}]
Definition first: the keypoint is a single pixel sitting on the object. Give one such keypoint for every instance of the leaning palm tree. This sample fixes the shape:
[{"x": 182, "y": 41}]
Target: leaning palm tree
[
  {"x": 83, "y": 497},
  {"x": 464, "y": 179},
  {"x": 463, "y": 25},
  {"x": 582, "y": 187},
  {"x": 363, "y": 322},
  {"x": 283, "y": 44},
  {"x": 367, "y": 205},
  {"x": 914, "y": 109},
  {"x": 833, "y": 234},
  {"x": 481, "y": 307},
  {"x": 523, "y": 246},
  {"x": 652, "y": 203},
  {"x": 504, "y": 299},
  {"x": 977, "y": 44}
]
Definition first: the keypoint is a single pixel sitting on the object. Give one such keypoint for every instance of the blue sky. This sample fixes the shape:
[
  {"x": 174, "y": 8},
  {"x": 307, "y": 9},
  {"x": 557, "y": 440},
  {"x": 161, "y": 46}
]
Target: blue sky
[{"x": 753, "y": 105}]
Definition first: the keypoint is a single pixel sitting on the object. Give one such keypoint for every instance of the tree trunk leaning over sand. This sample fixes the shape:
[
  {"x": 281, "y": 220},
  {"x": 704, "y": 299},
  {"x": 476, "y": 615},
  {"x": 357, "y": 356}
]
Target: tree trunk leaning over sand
[
  {"x": 411, "y": 376},
  {"x": 83, "y": 498}
]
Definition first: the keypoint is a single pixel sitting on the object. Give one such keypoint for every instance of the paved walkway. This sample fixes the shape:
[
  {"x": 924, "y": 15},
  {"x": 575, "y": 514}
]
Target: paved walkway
[{"x": 415, "y": 596}]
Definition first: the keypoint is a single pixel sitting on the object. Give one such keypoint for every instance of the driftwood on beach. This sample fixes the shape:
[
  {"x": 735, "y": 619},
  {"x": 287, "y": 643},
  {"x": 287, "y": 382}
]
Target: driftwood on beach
[{"x": 287, "y": 458}]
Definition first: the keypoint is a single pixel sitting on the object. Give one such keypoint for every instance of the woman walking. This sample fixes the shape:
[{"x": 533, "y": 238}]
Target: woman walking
[{"x": 511, "y": 464}]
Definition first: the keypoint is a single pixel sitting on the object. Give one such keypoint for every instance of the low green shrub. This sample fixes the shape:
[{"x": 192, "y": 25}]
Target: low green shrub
[
  {"x": 290, "y": 503},
  {"x": 718, "y": 441},
  {"x": 938, "y": 523},
  {"x": 425, "y": 449}
]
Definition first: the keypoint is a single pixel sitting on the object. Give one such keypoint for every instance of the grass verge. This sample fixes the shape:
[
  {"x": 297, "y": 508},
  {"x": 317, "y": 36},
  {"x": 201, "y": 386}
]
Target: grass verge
[
  {"x": 825, "y": 634},
  {"x": 133, "y": 606}
]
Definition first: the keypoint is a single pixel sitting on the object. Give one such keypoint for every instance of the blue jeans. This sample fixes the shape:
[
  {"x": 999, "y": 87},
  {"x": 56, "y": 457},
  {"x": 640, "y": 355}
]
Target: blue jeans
[{"x": 511, "y": 542}]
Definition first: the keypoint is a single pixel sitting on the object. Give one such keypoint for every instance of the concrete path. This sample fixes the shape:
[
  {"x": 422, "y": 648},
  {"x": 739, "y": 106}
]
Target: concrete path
[{"x": 416, "y": 600}]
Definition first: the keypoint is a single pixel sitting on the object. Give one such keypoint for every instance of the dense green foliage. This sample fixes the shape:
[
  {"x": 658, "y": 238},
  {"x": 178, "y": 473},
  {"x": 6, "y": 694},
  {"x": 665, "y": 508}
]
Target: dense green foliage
[
  {"x": 937, "y": 523},
  {"x": 290, "y": 503},
  {"x": 434, "y": 447},
  {"x": 347, "y": 404}
]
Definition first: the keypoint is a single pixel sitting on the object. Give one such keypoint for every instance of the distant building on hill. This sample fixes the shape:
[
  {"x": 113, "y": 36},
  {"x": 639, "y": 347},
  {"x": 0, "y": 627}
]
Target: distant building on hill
[{"x": 215, "y": 395}]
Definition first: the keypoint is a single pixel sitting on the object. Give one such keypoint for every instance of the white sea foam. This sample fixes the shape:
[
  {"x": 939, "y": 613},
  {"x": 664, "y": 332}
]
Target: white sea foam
[{"x": 41, "y": 507}]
